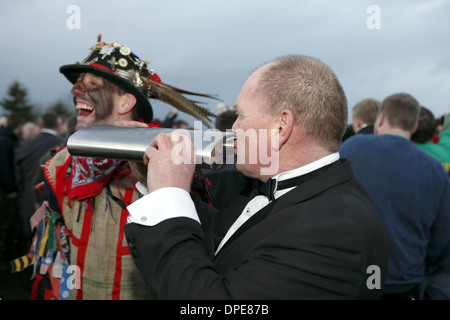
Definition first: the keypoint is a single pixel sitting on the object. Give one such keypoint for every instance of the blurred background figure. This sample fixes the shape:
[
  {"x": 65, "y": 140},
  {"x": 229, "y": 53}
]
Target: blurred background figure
[
  {"x": 411, "y": 192},
  {"x": 364, "y": 114},
  {"x": 29, "y": 130},
  {"x": 3, "y": 121},
  {"x": 27, "y": 163},
  {"x": 433, "y": 139},
  {"x": 9, "y": 141},
  {"x": 67, "y": 126},
  {"x": 180, "y": 124}
]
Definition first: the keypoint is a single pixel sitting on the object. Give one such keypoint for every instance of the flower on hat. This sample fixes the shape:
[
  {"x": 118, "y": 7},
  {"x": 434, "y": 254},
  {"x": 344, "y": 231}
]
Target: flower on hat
[{"x": 107, "y": 50}]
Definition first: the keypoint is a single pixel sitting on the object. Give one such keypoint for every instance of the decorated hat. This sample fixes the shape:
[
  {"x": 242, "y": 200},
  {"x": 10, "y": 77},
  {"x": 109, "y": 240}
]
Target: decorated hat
[{"x": 121, "y": 66}]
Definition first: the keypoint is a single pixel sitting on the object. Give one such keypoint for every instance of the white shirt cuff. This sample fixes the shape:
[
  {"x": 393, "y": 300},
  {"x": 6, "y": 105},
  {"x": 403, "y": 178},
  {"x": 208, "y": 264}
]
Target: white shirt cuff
[{"x": 160, "y": 205}]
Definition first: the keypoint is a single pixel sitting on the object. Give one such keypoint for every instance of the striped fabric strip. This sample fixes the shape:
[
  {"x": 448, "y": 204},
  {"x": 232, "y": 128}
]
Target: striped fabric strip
[
  {"x": 42, "y": 252},
  {"x": 123, "y": 220},
  {"x": 21, "y": 263},
  {"x": 83, "y": 242},
  {"x": 40, "y": 242}
]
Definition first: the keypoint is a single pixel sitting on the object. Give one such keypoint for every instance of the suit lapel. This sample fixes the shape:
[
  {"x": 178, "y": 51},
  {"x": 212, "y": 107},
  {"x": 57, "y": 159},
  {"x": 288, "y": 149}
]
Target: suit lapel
[
  {"x": 338, "y": 173},
  {"x": 253, "y": 220},
  {"x": 228, "y": 214}
]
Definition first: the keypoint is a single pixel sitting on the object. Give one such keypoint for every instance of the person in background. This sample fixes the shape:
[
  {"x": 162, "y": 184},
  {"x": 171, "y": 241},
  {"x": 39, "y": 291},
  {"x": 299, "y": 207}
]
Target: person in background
[
  {"x": 180, "y": 124},
  {"x": 3, "y": 121},
  {"x": 27, "y": 164},
  {"x": 364, "y": 114},
  {"x": 439, "y": 124},
  {"x": 170, "y": 118},
  {"x": 425, "y": 133},
  {"x": 29, "y": 130},
  {"x": 9, "y": 230},
  {"x": 411, "y": 192},
  {"x": 349, "y": 131}
]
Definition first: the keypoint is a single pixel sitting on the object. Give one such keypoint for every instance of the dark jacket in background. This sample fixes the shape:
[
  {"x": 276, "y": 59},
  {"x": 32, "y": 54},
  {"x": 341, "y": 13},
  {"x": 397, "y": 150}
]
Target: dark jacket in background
[
  {"x": 8, "y": 144},
  {"x": 26, "y": 165}
]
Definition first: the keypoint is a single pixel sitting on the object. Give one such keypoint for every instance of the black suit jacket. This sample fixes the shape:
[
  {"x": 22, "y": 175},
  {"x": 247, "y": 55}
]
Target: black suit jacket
[{"x": 318, "y": 241}]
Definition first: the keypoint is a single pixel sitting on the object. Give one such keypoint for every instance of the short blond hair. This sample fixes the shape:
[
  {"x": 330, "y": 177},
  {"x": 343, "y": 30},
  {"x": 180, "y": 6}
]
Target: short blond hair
[
  {"x": 367, "y": 110},
  {"x": 311, "y": 90}
]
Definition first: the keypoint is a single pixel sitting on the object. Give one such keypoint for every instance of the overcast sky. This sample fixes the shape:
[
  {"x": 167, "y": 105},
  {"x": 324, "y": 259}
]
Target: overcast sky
[{"x": 211, "y": 46}]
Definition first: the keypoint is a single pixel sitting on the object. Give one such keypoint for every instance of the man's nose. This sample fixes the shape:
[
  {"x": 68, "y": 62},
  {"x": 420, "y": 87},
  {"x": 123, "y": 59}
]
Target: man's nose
[{"x": 79, "y": 88}]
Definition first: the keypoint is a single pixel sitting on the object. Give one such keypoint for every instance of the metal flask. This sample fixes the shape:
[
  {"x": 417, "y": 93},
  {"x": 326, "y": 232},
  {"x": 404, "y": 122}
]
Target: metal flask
[{"x": 212, "y": 148}]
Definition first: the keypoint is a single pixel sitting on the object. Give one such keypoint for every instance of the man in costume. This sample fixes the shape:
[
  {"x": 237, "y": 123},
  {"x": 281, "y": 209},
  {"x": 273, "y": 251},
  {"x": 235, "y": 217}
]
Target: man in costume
[
  {"x": 314, "y": 234},
  {"x": 79, "y": 249}
]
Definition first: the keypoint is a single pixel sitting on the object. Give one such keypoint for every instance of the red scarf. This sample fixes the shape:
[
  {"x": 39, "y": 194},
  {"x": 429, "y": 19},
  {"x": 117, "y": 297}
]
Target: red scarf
[{"x": 91, "y": 175}]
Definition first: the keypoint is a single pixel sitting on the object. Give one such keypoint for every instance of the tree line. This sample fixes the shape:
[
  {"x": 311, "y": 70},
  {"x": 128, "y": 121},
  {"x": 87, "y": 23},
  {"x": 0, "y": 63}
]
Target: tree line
[{"x": 17, "y": 101}]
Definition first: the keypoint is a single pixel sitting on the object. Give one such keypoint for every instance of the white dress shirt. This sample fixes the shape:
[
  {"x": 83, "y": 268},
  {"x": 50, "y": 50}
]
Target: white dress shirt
[{"x": 167, "y": 203}]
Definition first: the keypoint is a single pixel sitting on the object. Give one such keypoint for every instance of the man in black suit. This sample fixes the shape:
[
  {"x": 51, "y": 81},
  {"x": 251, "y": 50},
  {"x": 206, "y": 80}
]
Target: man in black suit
[
  {"x": 27, "y": 163},
  {"x": 314, "y": 235}
]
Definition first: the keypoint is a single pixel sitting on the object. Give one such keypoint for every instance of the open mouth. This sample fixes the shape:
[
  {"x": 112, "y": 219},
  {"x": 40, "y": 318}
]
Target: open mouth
[{"x": 83, "y": 109}]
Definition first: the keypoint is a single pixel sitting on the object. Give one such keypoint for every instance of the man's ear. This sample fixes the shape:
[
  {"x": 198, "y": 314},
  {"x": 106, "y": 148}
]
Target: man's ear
[
  {"x": 285, "y": 125},
  {"x": 359, "y": 123},
  {"x": 126, "y": 103},
  {"x": 415, "y": 128},
  {"x": 380, "y": 119}
]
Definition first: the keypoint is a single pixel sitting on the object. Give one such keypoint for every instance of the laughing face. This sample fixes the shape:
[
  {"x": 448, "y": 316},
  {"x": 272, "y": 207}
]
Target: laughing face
[{"x": 94, "y": 98}]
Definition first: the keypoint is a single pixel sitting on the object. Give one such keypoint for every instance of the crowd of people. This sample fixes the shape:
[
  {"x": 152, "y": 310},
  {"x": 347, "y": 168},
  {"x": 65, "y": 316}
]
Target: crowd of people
[
  {"x": 409, "y": 188},
  {"x": 24, "y": 146},
  {"x": 351, "y": 212}
]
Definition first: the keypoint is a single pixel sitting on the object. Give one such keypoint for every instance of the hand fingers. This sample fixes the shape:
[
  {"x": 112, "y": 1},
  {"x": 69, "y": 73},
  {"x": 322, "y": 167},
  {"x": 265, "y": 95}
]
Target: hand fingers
[
  {"x": 160, "y": 142},
  {"x": 175, "y": 143}
]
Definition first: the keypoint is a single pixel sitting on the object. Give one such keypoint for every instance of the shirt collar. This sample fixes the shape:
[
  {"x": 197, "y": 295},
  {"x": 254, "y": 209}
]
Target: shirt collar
[{"x": 303, "y": 170}]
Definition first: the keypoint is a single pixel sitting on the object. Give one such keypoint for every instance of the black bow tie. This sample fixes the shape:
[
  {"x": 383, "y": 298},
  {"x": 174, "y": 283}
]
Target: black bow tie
[{"x": 268, "y": 189}]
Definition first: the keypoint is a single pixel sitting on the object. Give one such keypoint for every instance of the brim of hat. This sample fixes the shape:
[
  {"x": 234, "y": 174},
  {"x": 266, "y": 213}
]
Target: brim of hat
[{"x": 72, "y": 71}]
